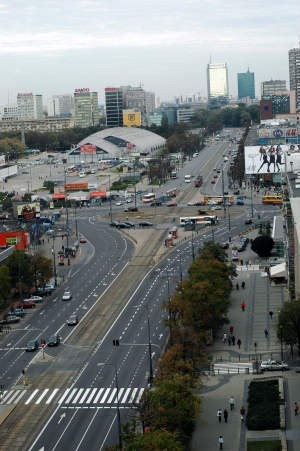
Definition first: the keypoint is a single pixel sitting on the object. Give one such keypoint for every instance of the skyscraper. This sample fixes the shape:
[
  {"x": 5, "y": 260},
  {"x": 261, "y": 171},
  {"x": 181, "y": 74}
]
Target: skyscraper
[
  {"x": 217, "y": 82},
  {"x": 271, "y": 87},
  {"x": 114, "y": 107},
  {"x": 86, "y": 108},
  {"x": 246, "y": 86},
  {"x": 61, "y": 105},
  {"x": 30, "y": 106},
  {"x": 294, "y": 71}
]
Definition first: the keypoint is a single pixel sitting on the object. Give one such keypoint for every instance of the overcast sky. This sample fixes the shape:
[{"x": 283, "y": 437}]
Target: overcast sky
[{"x": 54, "y": 46}]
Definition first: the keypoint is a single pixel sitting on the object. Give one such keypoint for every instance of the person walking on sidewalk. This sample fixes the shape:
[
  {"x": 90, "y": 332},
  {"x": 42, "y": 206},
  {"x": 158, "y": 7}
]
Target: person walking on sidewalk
[
  {"x": 270, "y": 314},
  {"x": 296, "y": 408},
  {"x": 231, "y": 402},
  {"x": 221, "y": 442},
  {"x": 243, "y": 305},
  {"x": 239, "y": 343},
  {"x": 243, "y": 285},
  {"x": 242, "y": 412},
  {"x": 266, "y": 333},
  {"x": 231, "y": 328},
  {"x": 225, "y": 414},
  {"x": 233, "y": 340},
  {"x": 219, "y": 415},
  {"x": 224, "y": 338}
]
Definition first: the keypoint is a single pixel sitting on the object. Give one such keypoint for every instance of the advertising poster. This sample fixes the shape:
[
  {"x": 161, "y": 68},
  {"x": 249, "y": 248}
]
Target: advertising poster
[
  {"x": 28, "y": 211},
  {"x": 265, "y": 159},
  {"x": 88, "y": 148}
]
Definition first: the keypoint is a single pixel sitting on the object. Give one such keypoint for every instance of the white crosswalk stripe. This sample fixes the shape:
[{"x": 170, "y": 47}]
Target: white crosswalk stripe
[{"x": 75, "y": 397}]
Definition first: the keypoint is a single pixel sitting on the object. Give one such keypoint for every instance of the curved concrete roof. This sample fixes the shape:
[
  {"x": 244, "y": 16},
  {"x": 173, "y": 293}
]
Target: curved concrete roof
[{"x": 119, "y": 140}]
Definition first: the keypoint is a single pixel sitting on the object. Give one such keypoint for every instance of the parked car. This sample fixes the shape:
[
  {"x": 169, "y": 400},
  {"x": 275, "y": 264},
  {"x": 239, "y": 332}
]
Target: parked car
[
  {"x": 123, "y": 225},
  {"x": 10, "y": 318},
  {"x": 27, "y": 304},
  {"x": 19, "y": 311},
  {"x": 195, "y": 204},
  {"x": 36, "y": 299},
  {"x": 129, "y": 223},
  {"x": 53, "y": 340},
  {"x": 248, "y": 221},
  {"x": 32, "y": 345},
  {"x": 67, "y": 296},
  {"x": 114, "y": 223},
  {"x": 213, "y": 182},
  {"x": 145, "y": 224},
  {"x": 224, "y": 245},
  {"x": 83, "y": 239},
  {"x": 273, "y": 365},
  {"x": 118, "y": 204},
  {"x": 133, "y": 209},
  {"x": 72, "y": 320},
  {"x": 156, "y": 203},
  {"x": 171, "y": 204}
]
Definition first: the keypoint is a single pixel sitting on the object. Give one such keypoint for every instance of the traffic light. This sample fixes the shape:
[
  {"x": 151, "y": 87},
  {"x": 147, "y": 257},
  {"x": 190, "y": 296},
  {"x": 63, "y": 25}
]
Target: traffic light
[{"x": 116, "y": 342}]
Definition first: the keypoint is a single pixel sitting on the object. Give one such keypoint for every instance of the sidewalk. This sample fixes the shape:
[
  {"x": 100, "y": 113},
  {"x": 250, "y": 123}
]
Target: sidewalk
[{"x": 249, "y": 327}]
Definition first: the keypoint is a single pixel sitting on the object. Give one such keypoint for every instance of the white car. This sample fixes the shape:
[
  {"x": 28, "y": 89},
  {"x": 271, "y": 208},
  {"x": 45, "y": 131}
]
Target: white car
[
  {"x": 34, "y": 299},
  {"x": 273, "y": 365},
  {"x": 67, "y": 296},
  {"x": 118, "y": 204}
]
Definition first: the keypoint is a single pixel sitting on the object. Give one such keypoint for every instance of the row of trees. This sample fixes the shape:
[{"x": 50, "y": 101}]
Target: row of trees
[
  {"x": 195, "y": 313},
  {"x": 21, "y": 275}
]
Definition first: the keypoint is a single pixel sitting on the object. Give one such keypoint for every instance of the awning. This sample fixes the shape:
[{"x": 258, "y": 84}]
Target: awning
[
  {"x": 58, "y": 196},
  {"x": 98, "y": 193},
  {"x": 278, "y": 271}
]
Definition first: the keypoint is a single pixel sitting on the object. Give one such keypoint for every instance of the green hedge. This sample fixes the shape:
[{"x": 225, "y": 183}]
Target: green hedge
[{"x": 263, "y": 405}]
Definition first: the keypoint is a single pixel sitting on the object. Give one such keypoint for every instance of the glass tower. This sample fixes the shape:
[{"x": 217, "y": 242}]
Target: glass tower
[
  {"x": 246, "y": 85},
  {"x": 294, "y": 71},
  {"x": 217, "y": 82}
]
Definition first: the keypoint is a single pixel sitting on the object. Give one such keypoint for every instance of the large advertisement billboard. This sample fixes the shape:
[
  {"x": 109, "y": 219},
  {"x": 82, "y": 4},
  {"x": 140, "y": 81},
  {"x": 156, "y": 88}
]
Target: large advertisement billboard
[
  {"x": 265, "y": 159},
  {"x": 28, "y": 211},
  {"x": 88, "y": 148}
]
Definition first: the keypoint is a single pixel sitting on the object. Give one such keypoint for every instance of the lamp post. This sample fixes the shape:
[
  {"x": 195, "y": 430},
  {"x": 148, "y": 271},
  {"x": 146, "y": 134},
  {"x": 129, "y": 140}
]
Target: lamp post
[
  {"x": 223, "y": 195},
  {"x": 110, "y": 206},
  {"x": 76, "y": 222},
  {"x": 193, "y": 248},
  {"x": 67, "y": 219},
  {"x": 229, "y": 223},
  {"x": 251, "y": 195},
  {"x": 149, "y": 349},
  {"x": 54, "y": 262},
  {"x": 281, "y": 341},
  {"x": 212, "y": 230},
  {"x": 118, "y": 405}
]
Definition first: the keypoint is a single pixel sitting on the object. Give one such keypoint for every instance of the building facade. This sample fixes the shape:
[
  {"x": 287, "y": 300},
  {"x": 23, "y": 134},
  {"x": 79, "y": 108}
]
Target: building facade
[
  {"x": 294, "y": 73},
  {"x": 246, "y": 85},
  {"x": 86, "y": 108},
  {"x": 30, "y": 106},
  {"x": 61, "y": 106},
  {"x": 271, "y": 87},
  {"x": 39, "y": 125},
  {"x": 9, "y": 113},
  {"x": 217, "y": 82},
  {"x": 114, "y": 107}
]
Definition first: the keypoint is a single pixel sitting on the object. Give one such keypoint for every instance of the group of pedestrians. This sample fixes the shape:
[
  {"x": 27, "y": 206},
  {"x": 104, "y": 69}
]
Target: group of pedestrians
[
  {"x": 230, "y": 338},
  {"x": 225, "y": 415}
]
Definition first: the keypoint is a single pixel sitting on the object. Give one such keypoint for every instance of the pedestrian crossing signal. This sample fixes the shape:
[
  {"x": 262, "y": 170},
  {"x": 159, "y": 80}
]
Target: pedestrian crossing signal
[{"x": 116, "y": 342}]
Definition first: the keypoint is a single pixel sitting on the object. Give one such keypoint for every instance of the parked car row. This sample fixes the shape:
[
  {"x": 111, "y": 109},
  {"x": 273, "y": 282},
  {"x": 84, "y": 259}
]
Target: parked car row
[
  {"x": 128, "y": 224},
  {"x": 243, "y": 244}
]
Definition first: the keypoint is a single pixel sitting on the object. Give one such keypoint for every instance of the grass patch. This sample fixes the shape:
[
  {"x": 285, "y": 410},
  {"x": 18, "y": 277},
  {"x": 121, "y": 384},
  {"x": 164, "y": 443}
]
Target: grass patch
[
  {"x": 263, "y": 405},
  {"x": 269, "y": 445}
]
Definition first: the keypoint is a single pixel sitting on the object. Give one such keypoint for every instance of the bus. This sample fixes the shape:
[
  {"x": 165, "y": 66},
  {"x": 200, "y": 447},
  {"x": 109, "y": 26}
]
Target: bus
[
  {"x": 218, "y": 200},
  {"x": 171, "y": 193},
  {"x": 187, "y": 178},
  {"x": 206, "y": 220},
  {"x": 148, "y": 198},
  {"x": 274, "y": 199}
]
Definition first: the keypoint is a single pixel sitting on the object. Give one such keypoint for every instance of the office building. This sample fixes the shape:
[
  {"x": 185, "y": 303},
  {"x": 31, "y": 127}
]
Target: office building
[
  {"x": 114, "y": 107},
  {"x": 294, "y": 73},
  {"x": 271, "y": 87},
  {"x": 9, "y": 113},
  {"x": 61, "y": 106},
  {"x": 246, "y": 85},
  {"x": 30, "y": 106},
  {"x": 217, "y": 83},
  {"x": 44, "y": 125},
  {"x": 86, "y": 108}
]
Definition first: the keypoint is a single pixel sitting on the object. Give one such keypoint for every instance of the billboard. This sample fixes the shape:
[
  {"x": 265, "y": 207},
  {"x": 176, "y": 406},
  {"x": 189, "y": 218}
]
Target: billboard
[
  {"x": 28, "y": 211},
  {"x": 80, "y": 186},
  {"x": 2, "y": 160},
  {"x": 132, "y": 119},
  {"x": 265, "y": 159},
  {"x": 88, "y": 148}
]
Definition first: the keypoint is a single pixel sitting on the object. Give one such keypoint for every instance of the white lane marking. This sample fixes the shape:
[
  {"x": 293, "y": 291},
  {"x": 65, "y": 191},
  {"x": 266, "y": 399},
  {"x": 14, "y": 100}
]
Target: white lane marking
[
  {"x": 98, "y": 395},
  {"x": 110, "y": 399},
  {"x": 71, "y": 395},
  {"x": 64, "y": 396},
  {"x": 52, "y": 395},
  {"x": 23, "y": 392},
  {"x": 84, "y": 395},
  {"x": 77, "y": 395},
  {"x": 128, "y": 390},
  {"x": 91, "y": 395},
  {"x": 102, "y": 400},
  {"x": 42, "y": 396},
  {"x": 31, "y": 396}
]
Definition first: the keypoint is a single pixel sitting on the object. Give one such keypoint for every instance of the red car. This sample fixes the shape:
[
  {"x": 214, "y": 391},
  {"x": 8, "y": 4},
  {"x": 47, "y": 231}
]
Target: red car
[
  {"x": 27, "y": 304},
  {"x": 215, "y": 176},
  {"x": 213, "y": 181},
  {"x": 83, "y": 239}
]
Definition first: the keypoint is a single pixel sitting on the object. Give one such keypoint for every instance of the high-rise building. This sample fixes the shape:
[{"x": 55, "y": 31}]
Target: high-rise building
[
  {"x": 246, "y": 85},
  {"x": 30, "y": 106},
  {"x": 86, "y": 108},
  {"x": 217, "y": 83},
  {"x": 114, "y": 107},
  {"x": 61, "y": 106},
  {"x": 271, "y": 87},
  {"x": 294, "y": 72}
]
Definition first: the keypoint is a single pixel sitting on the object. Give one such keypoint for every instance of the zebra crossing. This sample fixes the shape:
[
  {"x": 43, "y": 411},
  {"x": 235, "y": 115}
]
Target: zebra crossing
[{"x": 74, "y": 396}]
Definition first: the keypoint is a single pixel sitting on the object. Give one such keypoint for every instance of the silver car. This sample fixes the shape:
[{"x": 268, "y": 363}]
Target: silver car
[{"x": 273, "y": 365}]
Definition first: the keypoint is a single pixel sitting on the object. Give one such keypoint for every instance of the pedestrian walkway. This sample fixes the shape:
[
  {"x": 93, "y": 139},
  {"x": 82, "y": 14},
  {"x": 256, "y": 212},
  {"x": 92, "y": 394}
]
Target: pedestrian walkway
[{"x": 248, "y": 326}]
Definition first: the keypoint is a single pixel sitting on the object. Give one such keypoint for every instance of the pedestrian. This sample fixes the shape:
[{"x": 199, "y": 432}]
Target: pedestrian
[
  {"x": 242, "y": 412},
  {"x": 243, "y": 285},
  {"x": 229, "y": 340},
  {"x": 224, "y": 338},
  {"x": 270, "y": 314},
  {"x": 243, "y": 305},
  {"x": 266, "y": 333},
  {"x": 231, "y": 329},
  {"x": 296, "y": 408},
  {"x": 219, "y": 415},
  {"x": 231, "y": 402},
  {"x": 233, "y": 340},
  {"x": 239, "y": 343},
  {"x": 221, "y": 442},
  {"x": 237, "y": 286},
  {"x": 225, "y": 414}
]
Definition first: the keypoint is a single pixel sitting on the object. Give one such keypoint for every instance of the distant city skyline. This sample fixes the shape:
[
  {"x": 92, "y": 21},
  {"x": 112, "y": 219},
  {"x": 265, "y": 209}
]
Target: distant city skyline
[{"x": 51, "y": 48}]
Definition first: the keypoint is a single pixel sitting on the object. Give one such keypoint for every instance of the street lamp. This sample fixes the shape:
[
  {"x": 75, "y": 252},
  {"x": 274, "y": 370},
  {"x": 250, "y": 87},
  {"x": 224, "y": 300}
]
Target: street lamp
[
  {"x": 193, "y": 248},
  {"x": 281, "y": 341},
  {"x": 251, "y": 195},
  {"x": 229, "y": 223},
  {"x": 110, "y": 206},
  {"x": 54, "y": 262},
  {"x": 67, "y": 219},
  {"x": 223, "y": 194},
  {"x": 118, "y": 405}
]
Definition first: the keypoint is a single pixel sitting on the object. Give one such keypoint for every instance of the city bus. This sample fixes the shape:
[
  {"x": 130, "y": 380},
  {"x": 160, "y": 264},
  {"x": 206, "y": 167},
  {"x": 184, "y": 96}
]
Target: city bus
[
  {"x": 272, "y": 199},
  {"x": 218, "y": 200},
  {"x": 148, "y": 198},
  {"x": 206, "y": 220}
]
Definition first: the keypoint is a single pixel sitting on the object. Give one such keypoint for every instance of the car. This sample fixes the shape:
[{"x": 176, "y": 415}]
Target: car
[
  {"x": 114, "y": 223},
  {"x": 133, "y": 209},
  {"x": 27, "y": 304},
  {"x": 32, "y": 345},
  {"x": 215, "y": 176},
  {"x": 156, "y": 203},
  {"x": 216, "y": 207},
  {"x": 19, "y": 311},
  {"x": 273, "y": 365},
  {"x": 11, "y": 318},
  {"x": 145, "y": 224},
  {"x": 224, "y": 245},
  {"x": 213, "y": 182},
  {"x": 36, "y": 299},
  {"x": 129, "y": 223},
  {"x": 118, "y": 204},
  {"x": 195, "y": 204},
  {"x": 218, "y": 171},
  {"x": 129, "y": 200},
  {"x": 53, "y": 340},
  {"x": 236, "y": 192},
  {"x": 67, "y": 296},
  {"x": 248, "y": 221},
  {"x": 123, "y": 225},
  {"x": 83, "y": 239},
  {"x": 171, "y": 204},
  {"x": 72, "y": 320},
  {"x": 215, "y": 169},
  {"x": 241, "y": 248}
]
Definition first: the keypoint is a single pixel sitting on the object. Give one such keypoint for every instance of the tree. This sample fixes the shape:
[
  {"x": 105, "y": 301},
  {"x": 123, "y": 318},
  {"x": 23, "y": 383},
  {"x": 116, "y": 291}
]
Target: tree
[
  {"x": 49, "y": 185},
  {"x": 20, "y": 271},
  {"x": 288, "y": 328},
  {"x": 5, "y": 286},
  {"x": 262, "y": 245},
  {"x": 42, "y": 269},
  {"x": 154, "y": 441}
]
